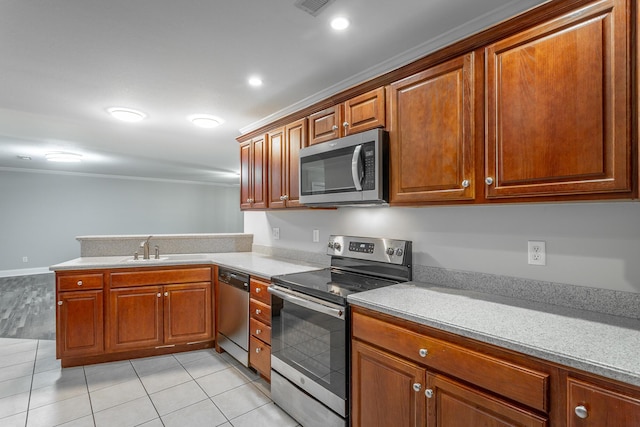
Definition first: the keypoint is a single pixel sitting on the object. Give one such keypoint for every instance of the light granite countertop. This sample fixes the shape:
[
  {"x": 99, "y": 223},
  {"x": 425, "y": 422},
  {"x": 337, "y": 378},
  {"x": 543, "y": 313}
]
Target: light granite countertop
[
  {"x": 249, "y": 262},
  {"x": 598, "y": 343}
]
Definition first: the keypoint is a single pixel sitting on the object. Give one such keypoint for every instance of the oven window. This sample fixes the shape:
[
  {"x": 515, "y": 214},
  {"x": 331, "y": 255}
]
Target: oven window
[{"x": 312, "y": 343}]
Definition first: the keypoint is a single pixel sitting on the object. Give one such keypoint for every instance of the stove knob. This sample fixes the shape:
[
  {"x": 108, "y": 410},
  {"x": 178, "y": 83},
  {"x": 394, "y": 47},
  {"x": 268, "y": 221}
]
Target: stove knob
[
  {"x": 390, "y": 251},
  {"x": 330, "y": 245},
  {"x": 399, "y": 252},
  {"x": 337, "y": 246}
]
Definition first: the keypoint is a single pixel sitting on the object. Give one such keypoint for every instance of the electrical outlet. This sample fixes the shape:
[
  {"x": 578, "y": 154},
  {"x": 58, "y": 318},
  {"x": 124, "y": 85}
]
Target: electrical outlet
[
  {"x": 25, "y": 259},
  {"x": 316, "y": 236},
  {"x": 276, "y": 233},
  {"x": 537, "y": 254}
]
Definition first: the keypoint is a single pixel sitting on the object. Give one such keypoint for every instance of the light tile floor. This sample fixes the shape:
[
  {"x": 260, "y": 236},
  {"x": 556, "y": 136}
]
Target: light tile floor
[{"x": 199, "y": 388}]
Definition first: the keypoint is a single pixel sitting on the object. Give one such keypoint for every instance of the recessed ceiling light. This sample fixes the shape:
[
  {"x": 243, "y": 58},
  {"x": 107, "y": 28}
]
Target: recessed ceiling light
[
  {"x": 63, "y": 157},
  {"x": 126, "y": 114},
  {"x": 205, "y": 120},
  {"x": 255, "y": 81},
  {"x": 339, "y": 23}
]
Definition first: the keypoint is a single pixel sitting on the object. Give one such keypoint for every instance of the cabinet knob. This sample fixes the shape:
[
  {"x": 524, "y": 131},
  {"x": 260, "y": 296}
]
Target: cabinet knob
[
  {"x": 59, "y": 302},
  {"x": 258, "y": 311},
  {"x": 465, "y": 183},
  {"x": 285, "y": 197},
  {"x": 581, "y": 411},
  {"x": 429, "y": 393},
  {"x": 159, "y": 294},
  {"x": 345, "y": 124},
  {"x": 79, "y": 282},
  {"x": 258, "y": 350},
  {"x": 334, "y": 127},
  {"x": 417, "y": 387},
  {"x": 258, "y": 331},
  {"x": 423, "y": 352},
  {"x": 166, "y": 294},
  {"x": 257, "y": 290},
  {"x": 488, "y": 180}
]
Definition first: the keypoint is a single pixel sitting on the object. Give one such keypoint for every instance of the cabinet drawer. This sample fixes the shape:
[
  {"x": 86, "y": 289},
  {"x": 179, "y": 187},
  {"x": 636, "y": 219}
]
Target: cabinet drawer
[
  {"x": 260, "y": 356},
  {"x": 590, "y": 405},
  {"x": 260, "y": 330},
  {"x": 260, "y": 311},
  {"x": 80, "y": 281},
  {"x": 515, "y": 382},
  {"x": 160, "y": 277},
  {"x": 259, "y": 291}
]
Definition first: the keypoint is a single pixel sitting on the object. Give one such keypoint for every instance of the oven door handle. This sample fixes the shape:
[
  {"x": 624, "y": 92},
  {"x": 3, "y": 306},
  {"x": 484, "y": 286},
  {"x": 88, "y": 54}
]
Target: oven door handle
[{"x": 307, "y": 302}]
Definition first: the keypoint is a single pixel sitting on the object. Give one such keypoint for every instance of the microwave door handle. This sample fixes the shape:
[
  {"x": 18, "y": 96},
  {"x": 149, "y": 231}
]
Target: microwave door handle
[
  {"x": 337, "y": 312},
  {"x": 355, "y": 167}
]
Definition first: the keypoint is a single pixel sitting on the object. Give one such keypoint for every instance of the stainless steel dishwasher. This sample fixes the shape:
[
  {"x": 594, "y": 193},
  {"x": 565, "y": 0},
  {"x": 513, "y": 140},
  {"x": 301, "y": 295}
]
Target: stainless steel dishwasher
[{"x": 233, "y": 314}]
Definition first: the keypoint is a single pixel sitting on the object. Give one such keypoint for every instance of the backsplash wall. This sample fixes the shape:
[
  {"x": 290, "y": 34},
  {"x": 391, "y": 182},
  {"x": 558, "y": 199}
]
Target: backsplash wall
[{"x": 595, "y": 245}]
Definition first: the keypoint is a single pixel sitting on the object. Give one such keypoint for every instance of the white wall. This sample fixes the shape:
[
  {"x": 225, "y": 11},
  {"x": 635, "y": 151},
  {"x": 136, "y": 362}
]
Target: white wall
[
  {"x": 588, "y": 244},
  {"x": 42, "y": 213}
]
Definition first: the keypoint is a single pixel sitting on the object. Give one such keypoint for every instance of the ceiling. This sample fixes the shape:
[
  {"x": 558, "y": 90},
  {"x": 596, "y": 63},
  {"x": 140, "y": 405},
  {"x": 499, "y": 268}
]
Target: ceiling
[{"x": 63, "y": 63}]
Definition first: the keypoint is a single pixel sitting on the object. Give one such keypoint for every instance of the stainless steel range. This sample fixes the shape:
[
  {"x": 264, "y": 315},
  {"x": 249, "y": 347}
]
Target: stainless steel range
[{"x": 310, "y": 326}]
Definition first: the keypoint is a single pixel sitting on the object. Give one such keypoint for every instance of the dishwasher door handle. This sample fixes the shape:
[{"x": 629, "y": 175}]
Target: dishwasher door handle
[{"x": 308, "y": 302}]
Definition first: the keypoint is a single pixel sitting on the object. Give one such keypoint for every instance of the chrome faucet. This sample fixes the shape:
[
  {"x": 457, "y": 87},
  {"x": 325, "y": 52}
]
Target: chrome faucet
[{"x": 145, "y": 248}]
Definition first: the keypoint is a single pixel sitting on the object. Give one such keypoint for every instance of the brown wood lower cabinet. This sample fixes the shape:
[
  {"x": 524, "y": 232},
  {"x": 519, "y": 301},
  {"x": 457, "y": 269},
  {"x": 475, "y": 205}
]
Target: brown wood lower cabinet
[
  {"x": 260, "y": 327},
  {"x": 140, "y": 312},
  {"x": 590, "y": 405}
]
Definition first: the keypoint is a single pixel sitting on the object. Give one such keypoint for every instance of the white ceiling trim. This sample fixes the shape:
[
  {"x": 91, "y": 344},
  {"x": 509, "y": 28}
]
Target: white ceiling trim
[{"x": 482, "y": 22}]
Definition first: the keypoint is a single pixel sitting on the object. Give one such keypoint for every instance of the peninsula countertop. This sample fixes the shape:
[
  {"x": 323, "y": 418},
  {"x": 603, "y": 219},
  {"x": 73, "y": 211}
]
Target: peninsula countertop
[
  {"x": 249, "y": 262},
  {"x": 598, "y": 343}
]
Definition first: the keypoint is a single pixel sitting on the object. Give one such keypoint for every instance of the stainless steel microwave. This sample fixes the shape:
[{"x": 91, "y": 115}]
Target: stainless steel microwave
[{"x": 347, "y": 171}]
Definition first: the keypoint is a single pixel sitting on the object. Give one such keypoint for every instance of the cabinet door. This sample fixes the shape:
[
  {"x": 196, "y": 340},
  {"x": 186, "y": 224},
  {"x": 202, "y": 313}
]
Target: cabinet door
[
  {"x": 558, "y": 106},
  {"x": 260, "y": 172},
  {"x": 187, "y": 313},
  {"x": 364, "y": 112},
  {"x": 277, "y": 169},
  {"x": 453, "y": 404},
  {"x": 432, "y": 133},
  {"x": 386, "y": 390},
  {"x": 260, "y": 356},
  {"x": 296, "y": 137},
  {"x": 591, "y": 406},
  {"x": 325, "y": 125},
  {"x": 135, "y": 318},
  {"x": 79, "y": 324},
  {"x": 246, "y": 174}
]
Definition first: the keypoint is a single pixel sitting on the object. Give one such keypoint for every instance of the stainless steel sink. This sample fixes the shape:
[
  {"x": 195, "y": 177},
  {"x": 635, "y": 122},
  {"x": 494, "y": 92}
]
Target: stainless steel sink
[{"x": 167, "y": 258}]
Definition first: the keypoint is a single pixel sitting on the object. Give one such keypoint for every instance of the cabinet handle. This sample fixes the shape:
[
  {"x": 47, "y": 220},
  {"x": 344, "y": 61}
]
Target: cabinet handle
[
  {"x": 423, "y": 352},
  {"x": 465, "y": 183},
  {"x": 258, "y": 350},
  {"x": 429, "y": 393},
  {"x": 285, "y": 197},
  {"x": 79, "y": 282},
  {"x": 488, "y": 180},
  {"x": 59, "y": 302},
  {"x": 159, "y": 294},
  {"x": 417, "y": 387},
  {"x": 258, "y": 311},
  {"x": 258, "y": 331},
  {"x": 581, "y": 411},
  {"x": 166, "y": 294},
  {"x": 334, "y": 127},
  {"x": 257, "y": 290},
  {"x": 345, "y": 125}
]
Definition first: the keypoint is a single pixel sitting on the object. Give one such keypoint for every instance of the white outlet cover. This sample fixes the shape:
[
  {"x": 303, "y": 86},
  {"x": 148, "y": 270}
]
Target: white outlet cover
[
  {"x": 316, "y": 235},
  {"x": 276, "y": 233},
  {"x": 536, "y": 252}
]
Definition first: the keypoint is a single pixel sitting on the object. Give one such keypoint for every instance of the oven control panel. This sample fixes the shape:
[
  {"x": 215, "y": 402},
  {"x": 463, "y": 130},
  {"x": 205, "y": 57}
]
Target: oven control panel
[{"x": 369, "y": 248}]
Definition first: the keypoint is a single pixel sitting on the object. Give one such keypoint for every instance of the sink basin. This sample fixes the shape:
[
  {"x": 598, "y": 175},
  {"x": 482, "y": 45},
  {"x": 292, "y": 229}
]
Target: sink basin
[
  {"x": 169, "y": 257},
  {"x": 141, "y": 260}
]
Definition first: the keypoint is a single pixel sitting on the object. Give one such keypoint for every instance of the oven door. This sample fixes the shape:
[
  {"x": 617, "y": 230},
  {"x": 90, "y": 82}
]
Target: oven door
[{"x": 309, "y": 345}]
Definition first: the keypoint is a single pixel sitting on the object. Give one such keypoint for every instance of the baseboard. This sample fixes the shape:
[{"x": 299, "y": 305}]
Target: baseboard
[{"x": 24, "y": 272}]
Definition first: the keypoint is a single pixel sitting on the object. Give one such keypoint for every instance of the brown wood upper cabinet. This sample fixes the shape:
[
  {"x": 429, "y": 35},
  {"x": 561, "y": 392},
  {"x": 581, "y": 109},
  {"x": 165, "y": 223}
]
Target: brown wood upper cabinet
[
  {"x": 360, "y": 113},
  {"x": 253, "y": 173},
  {"x": 284, "y": 148},
  {"x": 558, "y": 106},
  {"x": 432, "y": 134}
]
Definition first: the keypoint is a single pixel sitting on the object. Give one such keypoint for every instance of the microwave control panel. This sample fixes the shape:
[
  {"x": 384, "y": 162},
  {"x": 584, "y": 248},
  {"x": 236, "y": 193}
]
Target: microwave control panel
[{"x": 369, "y": 154}]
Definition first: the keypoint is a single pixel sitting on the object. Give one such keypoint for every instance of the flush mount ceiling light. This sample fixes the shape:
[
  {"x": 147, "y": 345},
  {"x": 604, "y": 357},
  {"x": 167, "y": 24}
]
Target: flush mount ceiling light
[
  {"x": 205, "y": 120},
  {"x": 63, "y": 157},
  {"x": 255, "y": 81},
  {"x": 340, "y": 23},
  {"x": 126, "y": 114}
]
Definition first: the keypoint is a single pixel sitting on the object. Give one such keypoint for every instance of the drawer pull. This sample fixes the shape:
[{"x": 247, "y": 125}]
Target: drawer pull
[
  {"x": 581, "y": 411},
  {"x": 429, "y": 393},
  {"x": 79, "y": 282},
  {"x": 258, "y": 350},
  {"x": 417, "y": 387},
  {"x": 257, "y": 290},
  {"x": 258, "y": 331},
  {"x": 258, "y": 311},
  {"x": 59, "y": 302},
  {"x": 423, "y": 352}
]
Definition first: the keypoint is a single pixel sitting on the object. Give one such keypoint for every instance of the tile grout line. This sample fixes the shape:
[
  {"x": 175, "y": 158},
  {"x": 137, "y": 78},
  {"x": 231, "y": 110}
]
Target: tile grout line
[
  {"x": 33, "y": 373},
  {"x": 86, "y": 383}
]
